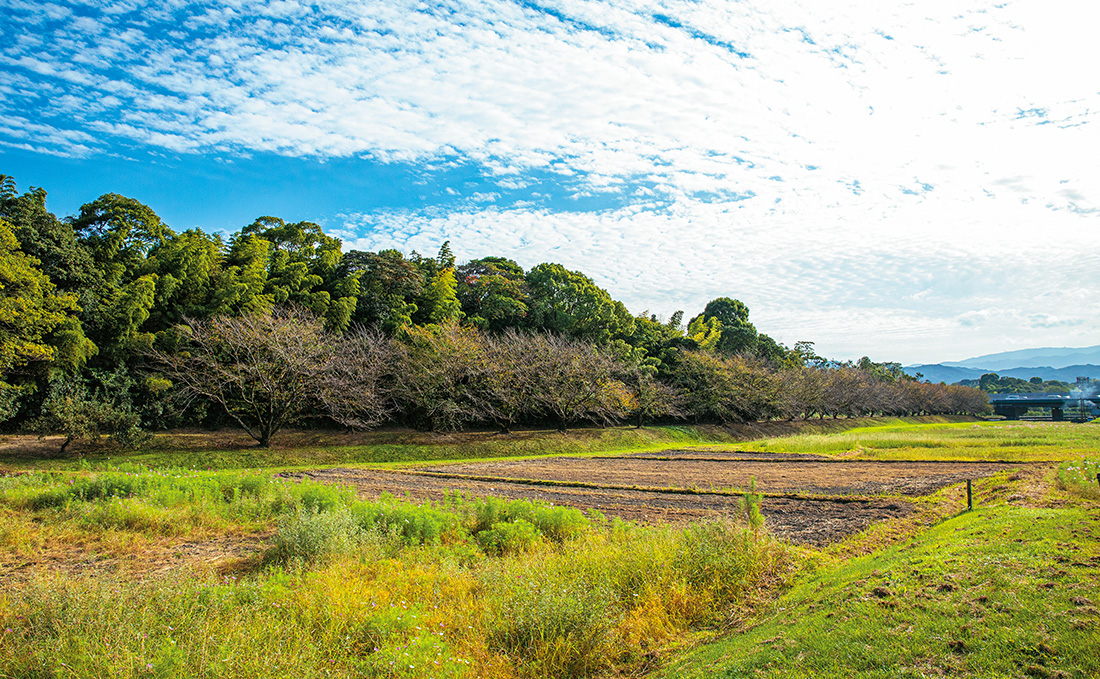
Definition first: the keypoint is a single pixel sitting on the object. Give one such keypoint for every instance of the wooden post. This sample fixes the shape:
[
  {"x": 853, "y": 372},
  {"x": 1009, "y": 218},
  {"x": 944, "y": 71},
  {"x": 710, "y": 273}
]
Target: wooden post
[{"x": 970, "y": 494}]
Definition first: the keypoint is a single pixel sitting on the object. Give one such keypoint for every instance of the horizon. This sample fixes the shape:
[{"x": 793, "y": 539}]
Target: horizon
[{"x": 876, "y": 180}]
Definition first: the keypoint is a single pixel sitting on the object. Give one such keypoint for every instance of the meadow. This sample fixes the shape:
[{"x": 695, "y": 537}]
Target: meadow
[{"x": 122, "y": 568}]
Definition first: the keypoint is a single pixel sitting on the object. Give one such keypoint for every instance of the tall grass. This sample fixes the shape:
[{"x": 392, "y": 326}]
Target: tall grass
[
  {"x": 1081, "y": 477},
  {"x": 465, "y": 588}
]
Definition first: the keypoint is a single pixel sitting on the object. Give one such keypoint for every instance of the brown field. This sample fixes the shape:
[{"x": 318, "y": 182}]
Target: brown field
[
  {"x": 802, "y": 476},
  {"x": 682, "y": 485}
]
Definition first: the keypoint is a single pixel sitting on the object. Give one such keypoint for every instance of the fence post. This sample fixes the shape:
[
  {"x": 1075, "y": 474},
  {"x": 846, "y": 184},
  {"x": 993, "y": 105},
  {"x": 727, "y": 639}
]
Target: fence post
[{"x": 970, "y": 494}]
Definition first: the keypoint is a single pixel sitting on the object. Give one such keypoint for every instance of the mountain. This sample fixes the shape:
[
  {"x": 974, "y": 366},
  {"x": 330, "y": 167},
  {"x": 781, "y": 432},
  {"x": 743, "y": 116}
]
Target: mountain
[
  {"x": 942, "y": 372},
  {"x": 1053, "y": 357}
]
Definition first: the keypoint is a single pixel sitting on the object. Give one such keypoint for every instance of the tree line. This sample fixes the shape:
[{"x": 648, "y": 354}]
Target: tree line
[{"x": 112, "y": 322}]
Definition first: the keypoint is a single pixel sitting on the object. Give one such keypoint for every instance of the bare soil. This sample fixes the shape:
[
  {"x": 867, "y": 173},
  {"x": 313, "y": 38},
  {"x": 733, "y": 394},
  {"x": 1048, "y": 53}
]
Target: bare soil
[
  {"x": 800, "y": 520},
  {"x": 813, "y": 500},
  {"x": 804, "y": 476}
]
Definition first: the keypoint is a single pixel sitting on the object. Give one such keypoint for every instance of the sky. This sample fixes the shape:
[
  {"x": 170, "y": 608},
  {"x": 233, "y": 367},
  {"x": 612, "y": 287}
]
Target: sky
[{"x": 912, "y": 181}]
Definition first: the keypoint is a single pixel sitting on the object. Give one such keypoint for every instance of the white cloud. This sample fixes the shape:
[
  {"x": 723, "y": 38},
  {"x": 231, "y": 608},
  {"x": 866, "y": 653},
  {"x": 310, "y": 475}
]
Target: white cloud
[{"x": 898, "y": 165}]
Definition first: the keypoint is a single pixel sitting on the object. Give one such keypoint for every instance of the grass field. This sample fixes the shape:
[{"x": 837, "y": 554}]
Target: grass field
[
  {"x": 300, "y": 449},
  {"x": 129, "y": 567},
  {"x": 1008, "y": 441}
]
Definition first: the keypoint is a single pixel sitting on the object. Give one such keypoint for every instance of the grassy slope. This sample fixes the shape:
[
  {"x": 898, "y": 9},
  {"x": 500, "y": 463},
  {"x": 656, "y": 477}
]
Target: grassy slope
[
  {"x": 204, "y": 450},
  {"x": 1011, "y": 589}
]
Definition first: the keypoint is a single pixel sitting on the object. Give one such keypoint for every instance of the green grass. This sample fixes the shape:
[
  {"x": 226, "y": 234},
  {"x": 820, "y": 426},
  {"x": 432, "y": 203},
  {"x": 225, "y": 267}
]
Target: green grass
[
  {"x": 311, "y": 449},
  {"x": 495, "y": 588},
  {"x": 1081, "y": 477},
  {"x": 996, "y": 592},
  {"x": 352, "y": 588},
  {"x": 379, "y": 448},
  {"x": 1009, "y": 441}
]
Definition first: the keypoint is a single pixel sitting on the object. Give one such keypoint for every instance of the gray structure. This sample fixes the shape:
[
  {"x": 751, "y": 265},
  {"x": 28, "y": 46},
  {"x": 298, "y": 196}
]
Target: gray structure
[{"x": 1015, "y": 406}]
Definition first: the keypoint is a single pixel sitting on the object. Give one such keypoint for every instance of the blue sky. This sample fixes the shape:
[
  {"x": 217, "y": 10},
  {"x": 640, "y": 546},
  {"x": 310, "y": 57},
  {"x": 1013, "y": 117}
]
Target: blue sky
[{"x": 912, "y": 181}]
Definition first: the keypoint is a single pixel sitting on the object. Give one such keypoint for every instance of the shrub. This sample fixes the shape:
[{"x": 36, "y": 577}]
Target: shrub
[
  {"x": 413, "y": 524},
  {"x": 315, "y": 536},
  {"x": 509, "y": 537}
]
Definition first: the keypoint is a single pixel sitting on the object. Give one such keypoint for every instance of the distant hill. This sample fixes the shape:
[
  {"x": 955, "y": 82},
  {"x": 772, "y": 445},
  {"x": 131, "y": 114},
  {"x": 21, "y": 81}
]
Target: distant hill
[
  {"x": 1065, "y": 364},
  {"x": 942, "y": 372},
  {"x": 1052, "y": 357}
]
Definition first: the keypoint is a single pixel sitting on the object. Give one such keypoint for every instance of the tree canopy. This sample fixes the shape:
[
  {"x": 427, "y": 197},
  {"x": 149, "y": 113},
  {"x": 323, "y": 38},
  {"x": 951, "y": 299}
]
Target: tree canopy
[{"x": 110, "y": 317}]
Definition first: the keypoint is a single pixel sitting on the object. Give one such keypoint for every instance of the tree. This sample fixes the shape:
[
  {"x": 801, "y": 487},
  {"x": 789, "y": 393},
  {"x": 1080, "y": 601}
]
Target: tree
[
  {"x": 738, "y": 335},
  {"x": 77, "y": 412},
  {"x": 564, "y": 301},
  {"x": 652, "y": 399},
  {"x": 493, "y": 293},
  {"x": 64, "y": 260},
  {"x": 303, "y": 269},
  {"x": 726, "y": 389},
  {"x": 441, "y": 376},
  {"x": 576, "y": 381},
  {"x": 119, "y": 232},
  {"x": 187, "y": 267},
  {"x": 270, "y": 370},
  {"x": 388, "y": 286},
  {"x": 705, "y": 332},
  {"x": 32, "y": 311},
  {"x": 438, "y": 301},
  {"x": 511, "y": 378}
]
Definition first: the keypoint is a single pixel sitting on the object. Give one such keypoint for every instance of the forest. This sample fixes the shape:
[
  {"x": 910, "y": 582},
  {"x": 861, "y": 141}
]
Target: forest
[{"x": 113, "y": 324}]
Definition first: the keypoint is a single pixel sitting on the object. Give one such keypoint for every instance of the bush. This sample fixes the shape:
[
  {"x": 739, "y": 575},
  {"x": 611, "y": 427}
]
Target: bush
[
  {"x": 509, "y": 537},
  {"x": 317, "y": 536},
  {"x": 555, "y": 523},
  {"x": 413, "y": 524},
  {"x": 79, "y": 413}
]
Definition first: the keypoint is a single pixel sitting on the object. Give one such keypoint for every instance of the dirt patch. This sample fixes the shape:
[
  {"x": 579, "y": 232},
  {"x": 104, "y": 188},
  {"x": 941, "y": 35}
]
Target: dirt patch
[
  {"x": 162, "y": 559},
  {"x": 815, "y": 477},
  {"x": 800, "y": 520},
  {"x": 704, "y": 454}
]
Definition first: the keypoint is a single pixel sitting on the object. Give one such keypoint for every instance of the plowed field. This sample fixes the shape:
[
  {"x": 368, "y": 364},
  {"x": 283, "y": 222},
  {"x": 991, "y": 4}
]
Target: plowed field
[{"x": 688, "y": 485}]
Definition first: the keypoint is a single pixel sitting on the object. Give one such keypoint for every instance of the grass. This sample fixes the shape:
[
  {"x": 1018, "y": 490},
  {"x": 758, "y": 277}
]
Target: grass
[
  {"x": 340, "y": 587},
  {"x": 468, "y": 587},
  {"x": 389, "y": 448},
  {"x": 1081, "y": 477},
  {"x": 996, "y": 592},
  {"x": 961, "y": 441}
]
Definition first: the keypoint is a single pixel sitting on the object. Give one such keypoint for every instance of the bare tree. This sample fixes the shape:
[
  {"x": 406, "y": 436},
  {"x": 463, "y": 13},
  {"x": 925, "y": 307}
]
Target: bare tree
[
  {"x": 576, "y": 381},
  {"x": 512, "y": 363},
  {"x": 441, "y": 376},
  {"x": 269, "y": 370}
]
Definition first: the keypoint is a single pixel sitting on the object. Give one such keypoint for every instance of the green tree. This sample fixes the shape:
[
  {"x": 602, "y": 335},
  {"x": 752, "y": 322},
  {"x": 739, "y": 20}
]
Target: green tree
[
  {"x": 661, "y": 341},
  {"x": 37, "y": 324},
  {"x": 187, "y": 268},
  {"x": 706, "y": 333},
  {"x": 389, "y": 284},
  {"x": 240, "y": 289},
  {"x": 303, "y": 270},
  {"x": 569, "y": 302},
  {"x": 738, "y": 334},
  {"x": 438, "y": 301},
  {"x": 119, "y": 232},
  {"x": 493, "y": 294},
  {"x": 78, "y": 412},
  {"x": 67, "y": 263}
]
